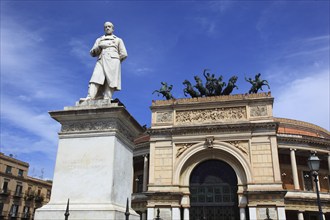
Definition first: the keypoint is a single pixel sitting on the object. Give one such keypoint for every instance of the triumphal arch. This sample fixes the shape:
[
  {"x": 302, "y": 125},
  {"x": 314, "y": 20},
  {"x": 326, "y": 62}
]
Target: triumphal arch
[{"x": 215, "y": 157}]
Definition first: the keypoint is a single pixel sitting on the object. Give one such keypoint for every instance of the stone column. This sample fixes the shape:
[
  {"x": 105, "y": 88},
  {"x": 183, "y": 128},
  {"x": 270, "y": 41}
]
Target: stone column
[
  {"x": 253, "y": 212},
  {"x": 151, "y": 213},
  {"x": 144, "y": 215},
  {"x": 300, "y": 215},
  {"x": 329, "y": 162},
  {"x": 242, "y": 215},
  {"x": 294, "y": 169},
  {"x": 145, "y": 173},
  {"x": 281, "y": 213},
  {"x": 176, "y": 213},
  {"x": 186, "y": 214}
]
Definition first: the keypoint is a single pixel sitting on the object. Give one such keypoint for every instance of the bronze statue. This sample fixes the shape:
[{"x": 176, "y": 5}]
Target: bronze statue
[
  {"x": 210, "y": 83},
  {"x": 230, "y": 86},
  {"x": 190, "y": 90},
  {"x": 257, "y": 83},
  {"x": 219, "y": 85},
  {"x": 199, "y": 85},
  {"x": 165, "y": 91}
]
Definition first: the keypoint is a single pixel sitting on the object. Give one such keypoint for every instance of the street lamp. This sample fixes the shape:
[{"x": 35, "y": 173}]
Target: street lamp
[{"x": 314, "y": 166}]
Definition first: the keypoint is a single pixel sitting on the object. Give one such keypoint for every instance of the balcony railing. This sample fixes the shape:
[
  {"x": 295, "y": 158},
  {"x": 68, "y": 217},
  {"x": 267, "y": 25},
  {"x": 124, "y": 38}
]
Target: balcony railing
[
  {"x": 39, "y": 198},
  {"x": 3, "y": 214},
  {"x": 18, "y": 195},
  {"x": 25, "y": 215},
  {"x": 14, "y": 215},
  {"x": 29, "y": 195},
  {"x": 4, "y": 192}
]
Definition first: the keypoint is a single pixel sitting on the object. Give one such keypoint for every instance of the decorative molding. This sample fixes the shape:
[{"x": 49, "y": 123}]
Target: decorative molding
[
  {"x": 304, "y": 139},
  {"x": 95, "y": 126},
  {"x": 77, "y": 126},
  {"x": 211, "y": 115},
  {"x": 163, "y": 117},
  {"x": 285, "y": 121},
  {"x": 212, "y": 129},
  {"x": 258, "y": 111},
  {"x": 182, "y": 148},
  {"x": 211, "y": 99},
  {"x": 209, "y": 141},
  {"x": 239, "y": 145}
]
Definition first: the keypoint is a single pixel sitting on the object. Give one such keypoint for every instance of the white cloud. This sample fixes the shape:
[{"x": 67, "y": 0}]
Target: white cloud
[
  {"x": 221, "y": 6},
  {"x": 207, "y": 24},
  {"x": 29, "y": 119},
  {"x": 80, "y": 50},
  {"x": 26, "y": 144},
  {"x": 305, "y": 99}
]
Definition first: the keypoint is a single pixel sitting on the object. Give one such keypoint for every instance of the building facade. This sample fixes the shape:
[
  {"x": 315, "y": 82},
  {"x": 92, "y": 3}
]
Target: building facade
[
  {"x": 227, "y": 157},
  {"x": 20, "y": 194}
]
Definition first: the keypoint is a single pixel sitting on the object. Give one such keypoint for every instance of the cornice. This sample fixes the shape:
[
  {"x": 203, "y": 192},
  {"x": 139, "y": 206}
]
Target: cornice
[
  {"x": 208, "y": 102},
  {"x": 237, "y": 127},
  {"x": 301, "y": 139},
  {"x": 4, "y": 157}
]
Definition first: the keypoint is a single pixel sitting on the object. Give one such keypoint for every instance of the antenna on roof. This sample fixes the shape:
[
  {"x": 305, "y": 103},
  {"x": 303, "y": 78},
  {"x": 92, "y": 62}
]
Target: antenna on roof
[{"x": 42, "y": 174}]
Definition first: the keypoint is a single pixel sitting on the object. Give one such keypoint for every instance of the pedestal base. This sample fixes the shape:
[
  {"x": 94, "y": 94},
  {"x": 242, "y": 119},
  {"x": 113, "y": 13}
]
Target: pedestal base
[
  {"x": 94, "y": 164},
  {"x": 84, "y": 212}
]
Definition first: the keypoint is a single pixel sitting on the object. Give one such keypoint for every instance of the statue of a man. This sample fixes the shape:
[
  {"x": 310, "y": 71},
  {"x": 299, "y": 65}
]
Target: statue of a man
[{"x": 110, "y": 52}]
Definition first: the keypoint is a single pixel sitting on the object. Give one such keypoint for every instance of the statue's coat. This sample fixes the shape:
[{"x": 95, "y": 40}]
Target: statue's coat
[{"x": 109, "y": 58}]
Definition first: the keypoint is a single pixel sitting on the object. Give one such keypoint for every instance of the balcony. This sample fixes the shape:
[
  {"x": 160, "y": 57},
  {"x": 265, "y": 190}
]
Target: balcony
[
  {"x": 3, "y": 214},
  {"x": 29, "y": 195},
  {"x": 14, "y": 215},
  {"x": 25, "y": 215},
  {"x": 18, "y": 195},
  {"x": 4, "y": 192},
  {"x": 39, "y": 198}
]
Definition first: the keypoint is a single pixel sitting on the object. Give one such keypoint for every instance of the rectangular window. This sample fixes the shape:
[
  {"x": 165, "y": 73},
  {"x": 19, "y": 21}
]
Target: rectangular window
[
  {"x": 20, "y": 172},
  {"x": 1, "y": 208},
  {"x": 13, "y": 211},
  {"x": 26, "y": 212},
  {"x": 308, "y": 182},
  {"x": 139, "y": 187},
  {"x": 8, "y": 169},
  {"x": 18, "y": 191},
  {"x": 4, "y": 188},
  {"x": 48, "y": 194}
]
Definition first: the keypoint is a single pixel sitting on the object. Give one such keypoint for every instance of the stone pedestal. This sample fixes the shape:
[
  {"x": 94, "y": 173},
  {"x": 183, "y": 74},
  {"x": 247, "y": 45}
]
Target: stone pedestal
[{"x": 94, "y": 164}]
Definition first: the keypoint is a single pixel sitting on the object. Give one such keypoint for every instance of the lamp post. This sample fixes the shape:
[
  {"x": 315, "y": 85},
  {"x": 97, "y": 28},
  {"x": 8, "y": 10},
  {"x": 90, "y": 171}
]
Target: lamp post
[{"x": 314, "y": 166}]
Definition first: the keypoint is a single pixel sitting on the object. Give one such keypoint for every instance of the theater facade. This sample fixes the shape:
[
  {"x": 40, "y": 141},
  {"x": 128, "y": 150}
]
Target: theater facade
[{"x": 228, "y": 157}]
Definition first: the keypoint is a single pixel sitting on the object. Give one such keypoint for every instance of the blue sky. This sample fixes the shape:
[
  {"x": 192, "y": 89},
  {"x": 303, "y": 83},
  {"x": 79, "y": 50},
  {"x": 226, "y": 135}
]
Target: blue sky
[{"x": 45, "y": 61}]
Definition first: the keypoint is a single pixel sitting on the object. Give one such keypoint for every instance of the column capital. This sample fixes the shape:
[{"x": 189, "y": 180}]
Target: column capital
[{"x": 293, "y": 149}]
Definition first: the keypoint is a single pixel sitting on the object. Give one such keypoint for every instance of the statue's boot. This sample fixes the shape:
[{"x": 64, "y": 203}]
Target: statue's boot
[{"x": 93, "y": 89}]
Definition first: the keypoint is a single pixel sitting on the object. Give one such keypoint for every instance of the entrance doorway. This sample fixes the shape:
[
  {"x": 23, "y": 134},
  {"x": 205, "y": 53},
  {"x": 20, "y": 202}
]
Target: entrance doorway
[{"x": 213, "y": 192}]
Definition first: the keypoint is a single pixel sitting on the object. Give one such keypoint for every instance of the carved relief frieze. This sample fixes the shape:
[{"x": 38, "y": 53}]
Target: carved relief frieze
[
  {"x": 164, "y": 117},
  {"x": 92, "y": 126},
  {"x": 211, "y": 115},
  {"x": 258, "y": 111},
  {"x": 182, "y": 148},
  {"x": 75, "y": 126},
  {"x": 240, "y": 145}
]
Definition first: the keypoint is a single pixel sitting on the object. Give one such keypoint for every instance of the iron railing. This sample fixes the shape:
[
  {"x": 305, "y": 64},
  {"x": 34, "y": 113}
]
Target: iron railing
[{"x": 67, "y": 213}]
